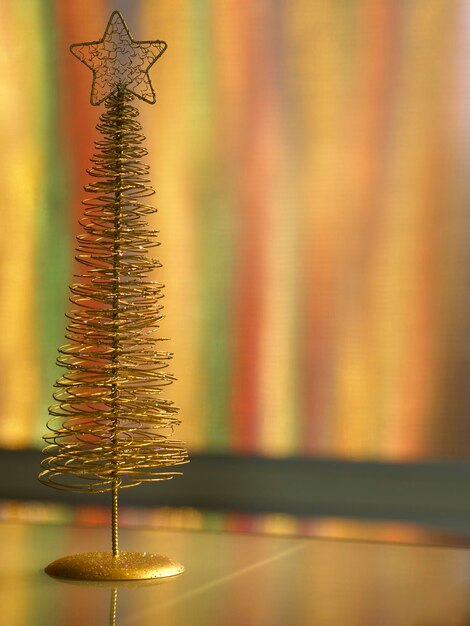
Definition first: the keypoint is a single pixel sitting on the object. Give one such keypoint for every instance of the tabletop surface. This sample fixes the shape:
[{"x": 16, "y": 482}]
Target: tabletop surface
[{"x": 237, "y": 579}]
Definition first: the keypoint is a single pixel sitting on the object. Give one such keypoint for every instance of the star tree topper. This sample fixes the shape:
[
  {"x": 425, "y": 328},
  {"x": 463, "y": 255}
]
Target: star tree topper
[{"x": 119, "y": 62}]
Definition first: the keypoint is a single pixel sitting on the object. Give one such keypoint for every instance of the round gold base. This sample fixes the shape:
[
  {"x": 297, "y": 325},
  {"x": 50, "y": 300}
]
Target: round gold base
[{"x": 103, "y": 566}]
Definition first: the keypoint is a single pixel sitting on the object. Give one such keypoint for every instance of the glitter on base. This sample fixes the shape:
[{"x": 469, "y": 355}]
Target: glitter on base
[{"x": 104, "y": 566}]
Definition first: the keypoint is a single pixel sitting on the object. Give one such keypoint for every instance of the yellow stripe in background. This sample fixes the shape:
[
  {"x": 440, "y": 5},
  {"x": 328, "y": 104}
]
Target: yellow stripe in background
[
  {"x": 405, "y": 345},
  {"x": 21, "y": 177},
  {"x": 321, "y": 92},
  {"x": 277, "y": 430},
  {"x": 355, "y": 419},
  {"x": 166, "y": 126}
]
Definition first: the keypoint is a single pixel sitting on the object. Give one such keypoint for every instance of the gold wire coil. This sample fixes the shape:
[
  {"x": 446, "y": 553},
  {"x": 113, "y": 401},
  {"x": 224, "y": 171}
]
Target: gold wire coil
[{"x": 110, "y": 427}]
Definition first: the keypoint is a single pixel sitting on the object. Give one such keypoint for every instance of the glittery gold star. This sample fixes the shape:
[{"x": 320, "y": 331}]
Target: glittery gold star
[{"x": 119, "y": 62}]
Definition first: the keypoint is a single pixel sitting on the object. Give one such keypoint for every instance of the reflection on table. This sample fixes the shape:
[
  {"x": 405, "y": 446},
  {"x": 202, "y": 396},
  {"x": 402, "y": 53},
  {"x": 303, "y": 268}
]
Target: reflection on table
[{"x": 235, "y": 579}]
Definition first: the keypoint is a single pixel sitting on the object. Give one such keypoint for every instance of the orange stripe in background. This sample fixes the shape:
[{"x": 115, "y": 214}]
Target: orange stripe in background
[
  {"x": 430, "y": 192},
  {"x": 78, "y": 22},
  {"x": 250, "y": 269}
]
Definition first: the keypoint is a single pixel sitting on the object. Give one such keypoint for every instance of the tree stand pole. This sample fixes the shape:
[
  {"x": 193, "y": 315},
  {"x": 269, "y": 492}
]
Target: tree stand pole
[{"x": 115, "y": 528}]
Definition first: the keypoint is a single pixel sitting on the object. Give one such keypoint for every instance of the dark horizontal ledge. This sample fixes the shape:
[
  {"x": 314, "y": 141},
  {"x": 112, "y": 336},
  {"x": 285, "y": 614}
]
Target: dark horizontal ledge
[{"x": 431, "y": 492}]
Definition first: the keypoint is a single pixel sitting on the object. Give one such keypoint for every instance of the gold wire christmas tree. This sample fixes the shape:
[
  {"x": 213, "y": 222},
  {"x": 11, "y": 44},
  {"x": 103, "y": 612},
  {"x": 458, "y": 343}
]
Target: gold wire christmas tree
[{"x": 110, "y": 427}]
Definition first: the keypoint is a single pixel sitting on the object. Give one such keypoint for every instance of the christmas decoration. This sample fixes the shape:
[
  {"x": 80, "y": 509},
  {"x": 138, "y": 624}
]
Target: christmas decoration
[{"x": 110, "y": 426}]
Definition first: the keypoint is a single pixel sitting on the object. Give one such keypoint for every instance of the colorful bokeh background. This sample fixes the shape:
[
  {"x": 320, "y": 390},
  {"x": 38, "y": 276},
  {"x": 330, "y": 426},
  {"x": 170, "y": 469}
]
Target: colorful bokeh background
[{"x": 312, "y": 167}]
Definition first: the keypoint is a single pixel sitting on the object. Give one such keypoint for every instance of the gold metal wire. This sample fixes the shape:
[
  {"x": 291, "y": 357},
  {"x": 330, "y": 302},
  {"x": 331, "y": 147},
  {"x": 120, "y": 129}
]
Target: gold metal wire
[{"x": 111, "y": 427}]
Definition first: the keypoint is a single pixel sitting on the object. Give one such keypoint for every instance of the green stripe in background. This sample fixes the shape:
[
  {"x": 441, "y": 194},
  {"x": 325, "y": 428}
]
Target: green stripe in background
[
  {"x": 54, "y": 250},
  {"x": 215, "y": 216}
]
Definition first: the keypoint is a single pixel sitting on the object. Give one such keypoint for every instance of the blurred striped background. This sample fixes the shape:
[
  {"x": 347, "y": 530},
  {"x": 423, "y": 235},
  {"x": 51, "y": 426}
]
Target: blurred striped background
[{"x": 311, "y": 162}]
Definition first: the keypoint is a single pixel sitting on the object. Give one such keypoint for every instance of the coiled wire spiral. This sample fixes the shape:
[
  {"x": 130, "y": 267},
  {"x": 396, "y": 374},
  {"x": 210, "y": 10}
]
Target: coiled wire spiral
[{"x": 110, "y": 426}]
